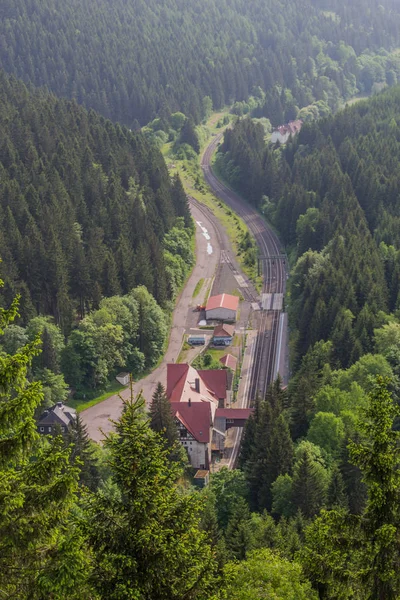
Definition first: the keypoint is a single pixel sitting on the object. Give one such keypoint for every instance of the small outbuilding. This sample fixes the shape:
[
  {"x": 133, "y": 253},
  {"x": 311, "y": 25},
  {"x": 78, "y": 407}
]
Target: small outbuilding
[
  {"x": 222, "y": 308},
  {"x": 201, "y": 478},
  {"x": 229, "y": 362},
  {"x": 223, "y": 335},
  {"x": 123, "y": 378}
]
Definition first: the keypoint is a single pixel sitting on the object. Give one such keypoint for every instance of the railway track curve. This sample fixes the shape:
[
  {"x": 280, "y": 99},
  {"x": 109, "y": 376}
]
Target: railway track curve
[{"x": 274, "y": 276}]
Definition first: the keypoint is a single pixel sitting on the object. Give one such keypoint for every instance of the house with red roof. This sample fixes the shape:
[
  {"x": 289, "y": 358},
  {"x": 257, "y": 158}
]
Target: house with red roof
[
  {"x": 195, "y": 398},
  {"x": 222, "y": 308},
  {"x": 283, "y": 132},
  {"x": 223, "y": 334}
]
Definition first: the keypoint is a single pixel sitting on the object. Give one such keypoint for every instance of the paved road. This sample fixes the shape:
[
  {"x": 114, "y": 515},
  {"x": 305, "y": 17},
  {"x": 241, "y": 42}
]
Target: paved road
[{"x": 97, "y": 418}]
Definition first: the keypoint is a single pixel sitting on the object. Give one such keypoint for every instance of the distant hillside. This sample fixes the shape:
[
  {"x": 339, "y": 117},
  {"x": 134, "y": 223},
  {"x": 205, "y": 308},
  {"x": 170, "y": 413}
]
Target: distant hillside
[
  {"x": 334, "y": 196},
  {"x": 133, "y": 59},
  {"x": 84, "y": 207}
]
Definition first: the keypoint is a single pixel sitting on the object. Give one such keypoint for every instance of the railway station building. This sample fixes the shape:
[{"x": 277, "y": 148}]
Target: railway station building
[
  {"x": 222, "y": 308},
  {"x": 197, "y": 398}
]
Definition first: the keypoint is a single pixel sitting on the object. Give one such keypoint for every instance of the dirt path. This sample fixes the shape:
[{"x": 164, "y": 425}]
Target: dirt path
[{"x": 98, "y": 417}]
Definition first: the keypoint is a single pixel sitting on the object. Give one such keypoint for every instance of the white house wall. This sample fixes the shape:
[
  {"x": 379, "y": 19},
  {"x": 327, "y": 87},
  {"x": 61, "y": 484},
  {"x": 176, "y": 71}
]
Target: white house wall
[
  {"x": 222, "y": 314},
  {"x": 197, "y": 453}
]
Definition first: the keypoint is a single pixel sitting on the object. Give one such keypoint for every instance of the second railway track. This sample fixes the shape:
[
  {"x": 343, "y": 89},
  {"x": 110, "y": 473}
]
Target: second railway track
[{"x": 274, "y": 276}]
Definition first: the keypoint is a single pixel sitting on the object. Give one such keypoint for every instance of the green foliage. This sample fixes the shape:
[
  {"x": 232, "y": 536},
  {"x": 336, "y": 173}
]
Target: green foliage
[
  {"x": 146, "y": 538},
  {"x": 265, "y": 574},
  {"x": 177, "y": 58},
  {"x": 310, "y": 480},
  {"x": 327, "y": 431},
  {"x": 377, "y": 455},
  {"x": 125, "y": 333},
  {"x": 84, "y": 210},
  {"x": 189, "y": 136},
  {"x": 229, "y": 487},
  {"x": 41, "y": 549},
  {"x": 267, "y": 450},
  {"x": 84, "y": 453},
  {"x": 350, "y": 556}
]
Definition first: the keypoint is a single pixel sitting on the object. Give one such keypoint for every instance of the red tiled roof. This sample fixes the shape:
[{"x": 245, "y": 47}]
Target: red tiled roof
[
  {"x": 234, "y": 413},
  {"x": 216, "y": 381},
  {"x": 224, "y": 330},
  {"x": 181, "y": 383},
  {"x": 176, "y": 376},
  {"x": 229, "y": 361},
  {"x": 291, "y": 127},
  {"x": 223, "y": 301},
  {"x": 196, "y": 417}
]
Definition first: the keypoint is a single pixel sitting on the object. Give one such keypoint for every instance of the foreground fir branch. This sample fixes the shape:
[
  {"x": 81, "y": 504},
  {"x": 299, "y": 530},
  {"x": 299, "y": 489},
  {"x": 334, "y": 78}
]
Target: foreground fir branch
[
  {"x": 39, "y": 543},
  {"x": 146, "y": 535}
]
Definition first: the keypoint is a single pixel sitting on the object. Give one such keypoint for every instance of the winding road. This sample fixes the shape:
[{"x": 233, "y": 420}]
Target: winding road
[{"x": 97, "y": 417}]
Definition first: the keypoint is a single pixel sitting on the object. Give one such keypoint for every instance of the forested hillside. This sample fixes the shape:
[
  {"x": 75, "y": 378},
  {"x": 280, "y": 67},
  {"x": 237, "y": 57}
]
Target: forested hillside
[
  {"x": 322, "y": 456},
  {"x": 87, "y": 209},
  {"x": 121, "y": 522},
  {"x": 133, "y": 59},
  {"x": 333, "y": 195}
]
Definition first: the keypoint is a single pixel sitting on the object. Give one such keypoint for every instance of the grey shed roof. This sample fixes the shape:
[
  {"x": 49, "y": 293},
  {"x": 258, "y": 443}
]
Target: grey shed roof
[{"x": 59, "y": 413}]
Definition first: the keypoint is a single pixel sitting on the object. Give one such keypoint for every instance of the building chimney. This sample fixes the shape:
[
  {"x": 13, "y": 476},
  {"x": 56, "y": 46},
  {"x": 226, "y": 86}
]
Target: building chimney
[
  {"x": 197, "y": 385},
  {"x": 60, "y": 404},
  {"x": 190, "y": 402}
]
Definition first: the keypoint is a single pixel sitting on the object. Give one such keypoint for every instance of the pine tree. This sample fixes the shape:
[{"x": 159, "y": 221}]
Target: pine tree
[
  {"x": 189, "y": 135},
  {"x": 336, "y": 494},
  {"x": 39, "y": 543},
  {"x": 355, "y": 488},
  {"x": 308, "y": 488},
  {"x": 162, "y": 421},
  {"x": 82, "y": 449},
  {"x": 358, "y": 554},
  {"x": 49, "y": 353},
  {"x": 180, "y": 201},
  {"x": 146, "y": 538},
  {"x": 378, "y": 456},
  {"x": 238, "y": 535}
]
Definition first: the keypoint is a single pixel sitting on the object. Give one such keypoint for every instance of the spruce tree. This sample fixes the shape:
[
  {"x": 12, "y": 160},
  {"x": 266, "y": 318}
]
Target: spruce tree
[
  {"x": 189, "y": 135},
  {"x": 309, "y": 487},
  {"x": 146, "y": 537},
  {"x": 180, "y": 201},
  {"x": 378, "y": 456},
  {"x": 162, "y": 421},
  {"x": 336, "y": 494},
  {"x": 39, "y": 543},
  {"x": 82, "y": 449},
  {"x": 358, "y": 554},
  {"x": 238, "y": 535}
]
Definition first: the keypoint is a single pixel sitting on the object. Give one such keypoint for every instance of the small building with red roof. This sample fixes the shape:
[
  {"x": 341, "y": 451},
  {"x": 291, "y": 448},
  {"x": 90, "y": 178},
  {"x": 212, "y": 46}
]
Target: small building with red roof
[
  {"x": 223, "y": 334},
  {"x": 222, "y": 308},
  {"x": 229, "y": 362}
]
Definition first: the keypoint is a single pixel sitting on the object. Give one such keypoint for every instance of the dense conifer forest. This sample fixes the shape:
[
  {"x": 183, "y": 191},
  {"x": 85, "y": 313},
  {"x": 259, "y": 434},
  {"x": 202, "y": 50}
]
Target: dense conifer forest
[
  {"x": 96, "y": 241},
  {"x": 133, "y": 60},
  {"x": 310, "y": 451},
  {"x": 86, "y": 209}
]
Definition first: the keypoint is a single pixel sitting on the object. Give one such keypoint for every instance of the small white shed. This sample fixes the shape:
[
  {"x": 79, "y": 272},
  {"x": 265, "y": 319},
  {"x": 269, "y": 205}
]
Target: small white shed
[{"x": 123, "y": 378}]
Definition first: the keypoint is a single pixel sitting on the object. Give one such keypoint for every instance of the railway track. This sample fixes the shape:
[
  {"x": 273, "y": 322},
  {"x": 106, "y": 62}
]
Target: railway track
[
  {"x": 274, "y": 276},
  {"x": 247, "y": 291}
]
